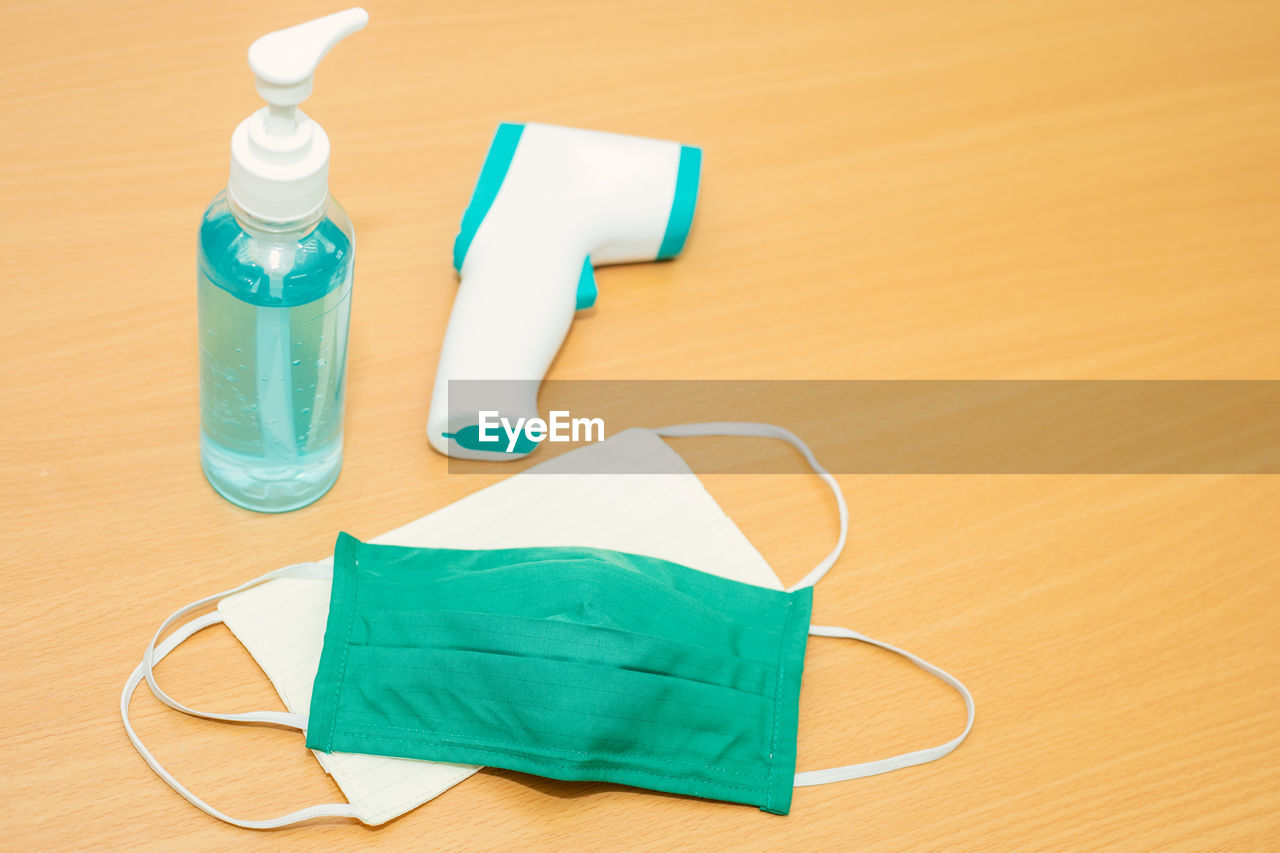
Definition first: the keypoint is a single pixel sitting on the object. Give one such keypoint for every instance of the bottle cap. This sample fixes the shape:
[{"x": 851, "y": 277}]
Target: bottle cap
[{"x": 279, "y": 156}]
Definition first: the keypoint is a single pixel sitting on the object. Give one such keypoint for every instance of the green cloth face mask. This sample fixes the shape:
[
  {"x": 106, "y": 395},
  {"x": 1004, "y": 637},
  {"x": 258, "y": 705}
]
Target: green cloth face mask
[{"x": 570, "y": 663}]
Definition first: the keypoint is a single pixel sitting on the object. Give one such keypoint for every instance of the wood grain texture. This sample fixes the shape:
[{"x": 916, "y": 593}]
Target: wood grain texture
[{"x": 1024, "y": 189}]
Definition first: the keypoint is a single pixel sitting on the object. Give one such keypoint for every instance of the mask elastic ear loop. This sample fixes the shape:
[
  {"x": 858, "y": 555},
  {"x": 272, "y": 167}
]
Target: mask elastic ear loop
[
  {"x": 897, "y": 762},
  {"x": 149, "y": 658},
  {"x": 345, "y": 810},
  {"x": 759, "y": 430}
]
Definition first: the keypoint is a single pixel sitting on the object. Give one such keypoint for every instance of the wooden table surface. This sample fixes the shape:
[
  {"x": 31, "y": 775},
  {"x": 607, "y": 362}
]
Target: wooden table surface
[{"x": 892, "y": 190}]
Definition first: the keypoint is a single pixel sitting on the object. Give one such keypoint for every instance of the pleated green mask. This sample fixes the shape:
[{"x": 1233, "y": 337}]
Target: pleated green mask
[{"x": 569, "y": 663}]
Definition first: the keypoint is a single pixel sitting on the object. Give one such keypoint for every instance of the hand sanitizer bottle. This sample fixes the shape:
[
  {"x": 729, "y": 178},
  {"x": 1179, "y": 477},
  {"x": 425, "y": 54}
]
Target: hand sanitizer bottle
[{"x": 275, "y": 259}]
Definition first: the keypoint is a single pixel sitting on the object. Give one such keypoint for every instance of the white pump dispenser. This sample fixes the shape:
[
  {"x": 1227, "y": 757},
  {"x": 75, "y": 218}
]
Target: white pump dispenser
[{"x": 279, "y": 156}]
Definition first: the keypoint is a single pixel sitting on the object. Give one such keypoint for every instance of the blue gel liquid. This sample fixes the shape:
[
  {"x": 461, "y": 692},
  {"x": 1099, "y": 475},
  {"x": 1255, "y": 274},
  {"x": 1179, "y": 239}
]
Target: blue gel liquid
[{"x": 274, "y": 308}]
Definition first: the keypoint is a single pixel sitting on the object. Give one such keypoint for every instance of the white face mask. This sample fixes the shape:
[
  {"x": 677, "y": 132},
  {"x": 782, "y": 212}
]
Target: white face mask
[{"x": 280, "y": 618}]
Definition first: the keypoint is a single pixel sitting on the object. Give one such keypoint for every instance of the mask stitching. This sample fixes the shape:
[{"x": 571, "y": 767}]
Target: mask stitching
[
  {"x": 725, "y": 605},
  {"x": 521, "y": 704},
  {"x": 777, "y": 700},
  {"x": 762, "y": 678},
  {"x": 700, "y": 610},
  {"x": 497, "y": 748},
  {"x": 745, "y": 661},
  {"x": 354, "y": 575},
  {"x": 443, "y": 735},
  {"x": 540, "y": 681},
  {"x": 611, "y": 565}
]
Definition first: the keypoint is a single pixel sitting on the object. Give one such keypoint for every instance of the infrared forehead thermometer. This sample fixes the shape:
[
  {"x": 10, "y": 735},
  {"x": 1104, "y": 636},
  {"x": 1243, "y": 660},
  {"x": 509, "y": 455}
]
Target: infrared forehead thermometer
[{"x": 551, "y": 204}]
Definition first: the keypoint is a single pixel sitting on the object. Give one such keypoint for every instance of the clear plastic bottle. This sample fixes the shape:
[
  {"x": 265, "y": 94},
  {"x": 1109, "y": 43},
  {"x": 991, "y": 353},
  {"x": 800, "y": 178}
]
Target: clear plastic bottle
[
  {"x": 274, "y": 263},
  {"x": 274, "y": 306}
]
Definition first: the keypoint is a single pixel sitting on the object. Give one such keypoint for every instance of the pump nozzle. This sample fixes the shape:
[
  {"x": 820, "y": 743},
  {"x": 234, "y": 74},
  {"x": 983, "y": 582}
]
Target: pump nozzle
[
  {"x": 284, "y": 61},
  {"x": 279, "y": 157}
]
